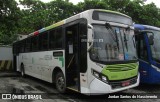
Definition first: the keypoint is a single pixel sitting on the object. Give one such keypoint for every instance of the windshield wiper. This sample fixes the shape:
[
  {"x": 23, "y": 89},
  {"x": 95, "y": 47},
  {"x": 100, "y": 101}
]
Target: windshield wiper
[
  {"x": 117, "y": 39},
  {"x": 114, "y": 35},
  {"x": 125, "y": 39},
  {"x": 133, "y": 39},
  {"x": 108, "y": 26}
]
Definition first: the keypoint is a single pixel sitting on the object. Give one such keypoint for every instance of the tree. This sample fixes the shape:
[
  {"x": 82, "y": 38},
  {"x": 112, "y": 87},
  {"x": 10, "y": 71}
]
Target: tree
[
  {"x": 59, "y": 10},
  {"x": 39, "y": 14},
  {"x": 9, "y": 16},
  {"x": 34, "y": 17},
  {"x": 151, "y": 15},
  {"x": 92, "y": 4}
]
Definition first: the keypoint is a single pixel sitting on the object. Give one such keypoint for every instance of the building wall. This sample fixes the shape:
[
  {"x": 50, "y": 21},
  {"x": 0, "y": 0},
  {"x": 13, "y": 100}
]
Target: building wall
[
  {"x": 6, "y": 58},
  {"x": 6, "y": 53}
]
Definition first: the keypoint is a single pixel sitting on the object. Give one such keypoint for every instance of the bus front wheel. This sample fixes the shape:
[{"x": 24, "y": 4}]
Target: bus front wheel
[
  {"x": 22, "y": 70},
  {"x": 60, "y": 82}
]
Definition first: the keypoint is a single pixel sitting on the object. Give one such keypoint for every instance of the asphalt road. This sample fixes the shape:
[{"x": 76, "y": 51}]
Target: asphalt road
[{"x": 14, "y": 84}]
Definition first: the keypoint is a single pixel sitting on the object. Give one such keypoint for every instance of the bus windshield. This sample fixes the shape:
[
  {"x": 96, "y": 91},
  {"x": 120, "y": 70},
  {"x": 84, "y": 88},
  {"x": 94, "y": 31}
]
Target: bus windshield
[
  {"x": 105, "y": 48},
  {"x": 128, "y": 39},
  {"x": 155, "y": 48}
]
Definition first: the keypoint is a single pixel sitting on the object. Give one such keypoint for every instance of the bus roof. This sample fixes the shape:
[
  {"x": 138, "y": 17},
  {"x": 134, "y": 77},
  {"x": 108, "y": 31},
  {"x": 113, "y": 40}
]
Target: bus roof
[
  {"x": 145, "y": 27},
  {"x": 109, "y": 11},
  {"x": 74, "y": 17}
]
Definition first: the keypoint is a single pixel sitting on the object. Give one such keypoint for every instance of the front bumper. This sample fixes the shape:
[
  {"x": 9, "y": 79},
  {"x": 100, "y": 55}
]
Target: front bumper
[{"x": 99, "y": 87}]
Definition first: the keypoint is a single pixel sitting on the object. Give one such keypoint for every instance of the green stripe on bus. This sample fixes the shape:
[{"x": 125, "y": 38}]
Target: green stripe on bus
[
  {"x": 62, "y": 60},
  {"x": 55, "y": 25},
  {"x": 120, "y": 71}
]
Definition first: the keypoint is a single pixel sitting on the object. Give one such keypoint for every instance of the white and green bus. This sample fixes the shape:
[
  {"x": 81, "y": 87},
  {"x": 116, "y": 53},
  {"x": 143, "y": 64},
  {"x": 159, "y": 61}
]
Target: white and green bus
[{"x": 92, "y": 52}]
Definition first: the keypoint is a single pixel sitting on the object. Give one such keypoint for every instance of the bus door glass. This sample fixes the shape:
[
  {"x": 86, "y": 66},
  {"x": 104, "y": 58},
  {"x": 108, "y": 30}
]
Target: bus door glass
[
  {"x": 142, "y": 51},
  {"x": 72, "y": 56}
]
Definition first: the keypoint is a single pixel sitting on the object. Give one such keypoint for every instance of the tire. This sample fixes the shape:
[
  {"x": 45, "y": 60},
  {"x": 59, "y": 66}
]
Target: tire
[
  {"x": 60, "y": 82},
  {"x": 22, "y": 71}
]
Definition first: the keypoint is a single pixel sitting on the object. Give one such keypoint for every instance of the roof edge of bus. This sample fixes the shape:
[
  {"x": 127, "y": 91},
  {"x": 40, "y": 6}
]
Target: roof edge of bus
[
  {"x": 48, "y": 27},
  {"x": 110, "y": 11},
  {"x": 55, "y": 25},
  {"x": 63, "y": 21},
  {"x": 143, "y": 27}
]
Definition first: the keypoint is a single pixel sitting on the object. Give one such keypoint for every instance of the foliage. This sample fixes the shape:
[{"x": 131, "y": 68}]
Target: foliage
[
  {"x": 9, "y": 15},
  {"x": 37, "y": 14}
]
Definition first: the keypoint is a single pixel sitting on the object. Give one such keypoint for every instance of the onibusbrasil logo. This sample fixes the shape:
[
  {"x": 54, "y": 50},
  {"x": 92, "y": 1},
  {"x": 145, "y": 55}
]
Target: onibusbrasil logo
[{"x": 16, "y": 96}]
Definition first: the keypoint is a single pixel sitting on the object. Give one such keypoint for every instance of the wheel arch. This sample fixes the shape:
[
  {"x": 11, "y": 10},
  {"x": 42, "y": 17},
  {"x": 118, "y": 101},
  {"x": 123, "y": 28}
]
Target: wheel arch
[{"x": 54, "y": 72}]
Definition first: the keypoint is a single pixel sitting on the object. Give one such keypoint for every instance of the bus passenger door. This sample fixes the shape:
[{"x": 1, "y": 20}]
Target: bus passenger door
[
  {"x": 72, "y": 57},
  {"x": 142, "y": 51},
  {"x": 76, "y": 55}
]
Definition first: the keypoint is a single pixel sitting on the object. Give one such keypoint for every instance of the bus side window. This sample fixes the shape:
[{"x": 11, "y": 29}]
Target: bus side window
[
  {"x": 52, "y": 39},
  {"x": 55, "y": 38},
  {"x": 59, "y": 37},
  {"x": 43, "y": 40},
  {"x": 34, "y": 43},
  {"x": 28, "y": 45},
  {"x": 22, "y": 46}
]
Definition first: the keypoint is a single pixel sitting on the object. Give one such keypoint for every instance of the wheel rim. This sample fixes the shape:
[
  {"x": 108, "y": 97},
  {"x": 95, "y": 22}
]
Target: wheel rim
[{"x": 60, "y": 83}]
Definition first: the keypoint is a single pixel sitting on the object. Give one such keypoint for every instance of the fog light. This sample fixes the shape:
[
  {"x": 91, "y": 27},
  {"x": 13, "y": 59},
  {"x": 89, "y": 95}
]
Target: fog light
[
  {"x": 104, "y": 78},
  {"x": 100, "y": 76}
]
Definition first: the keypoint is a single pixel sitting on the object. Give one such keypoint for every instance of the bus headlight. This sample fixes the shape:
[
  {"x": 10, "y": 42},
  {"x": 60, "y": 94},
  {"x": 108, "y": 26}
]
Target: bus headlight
[
  {"x": 100, "y": 76},
  {"x": 104, "y": 78}
]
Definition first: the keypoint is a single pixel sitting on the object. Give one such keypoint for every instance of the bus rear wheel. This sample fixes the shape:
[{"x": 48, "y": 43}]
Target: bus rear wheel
[
  {"x": 60, "y": 82},
  {"x": 22, "y": 70}
]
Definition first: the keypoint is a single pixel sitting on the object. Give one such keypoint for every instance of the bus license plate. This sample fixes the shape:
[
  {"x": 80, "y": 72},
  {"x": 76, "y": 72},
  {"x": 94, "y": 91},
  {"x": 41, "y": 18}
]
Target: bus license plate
[{"x": 125, "y": 83}]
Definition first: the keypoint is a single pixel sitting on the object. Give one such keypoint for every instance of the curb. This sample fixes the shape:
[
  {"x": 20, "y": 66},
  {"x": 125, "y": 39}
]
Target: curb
[{"x": 9, "y": 74}]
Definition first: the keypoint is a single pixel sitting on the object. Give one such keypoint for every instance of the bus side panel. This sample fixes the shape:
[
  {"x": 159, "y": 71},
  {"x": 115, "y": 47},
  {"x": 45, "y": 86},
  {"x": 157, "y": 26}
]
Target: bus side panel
[
  {"x": 52, "y": 62},
  {"x": 43, "y": 62},
  {"x": 55, "y": 61},
  {"x": 24, "y": 58},
  {"x": 155, "y": 74},
  {"x": 144, "y": 71},
  {"x": 36, "y": 64}
]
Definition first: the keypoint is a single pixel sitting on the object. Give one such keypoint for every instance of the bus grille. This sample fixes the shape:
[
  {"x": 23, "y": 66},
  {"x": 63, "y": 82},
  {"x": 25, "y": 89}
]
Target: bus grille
[
  {"x": 121, "y": 67},
  {"x": 119, "y": 84}
]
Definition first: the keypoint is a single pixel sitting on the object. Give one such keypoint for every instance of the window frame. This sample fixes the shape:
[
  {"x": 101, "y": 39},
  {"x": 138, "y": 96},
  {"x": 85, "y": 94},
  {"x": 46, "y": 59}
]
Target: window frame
[{"x": 62, "y": 37}]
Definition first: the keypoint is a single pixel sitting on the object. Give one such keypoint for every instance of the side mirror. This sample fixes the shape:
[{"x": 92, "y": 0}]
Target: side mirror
[
  {"x": 107, "y": 25},
  {"x": 151, "y": 41}
]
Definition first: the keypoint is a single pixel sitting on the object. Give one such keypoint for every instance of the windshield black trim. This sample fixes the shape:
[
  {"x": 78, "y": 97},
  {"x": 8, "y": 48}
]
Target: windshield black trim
[{"x": 115, "y": 62}]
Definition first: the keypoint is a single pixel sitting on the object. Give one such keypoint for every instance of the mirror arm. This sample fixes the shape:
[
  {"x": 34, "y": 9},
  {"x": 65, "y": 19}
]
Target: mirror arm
[
  {"x": 91, "y": 45},
  {"x": 90, "y": 42},
  {"x": 90, "y": 26}
]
